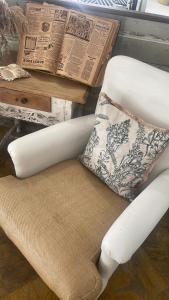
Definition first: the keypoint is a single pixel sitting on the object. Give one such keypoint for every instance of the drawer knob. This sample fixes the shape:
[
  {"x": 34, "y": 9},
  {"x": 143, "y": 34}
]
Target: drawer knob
[{"x": 24, "y": 100}]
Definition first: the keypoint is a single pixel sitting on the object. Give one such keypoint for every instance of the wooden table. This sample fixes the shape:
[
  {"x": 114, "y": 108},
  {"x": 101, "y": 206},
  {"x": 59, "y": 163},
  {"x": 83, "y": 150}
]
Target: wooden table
[{"x": 42, "y": 98}]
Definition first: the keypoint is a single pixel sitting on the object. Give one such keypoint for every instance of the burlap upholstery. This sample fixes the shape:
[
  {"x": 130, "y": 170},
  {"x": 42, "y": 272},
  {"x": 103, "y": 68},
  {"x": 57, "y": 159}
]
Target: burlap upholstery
[{"x": 58, "y": 219}]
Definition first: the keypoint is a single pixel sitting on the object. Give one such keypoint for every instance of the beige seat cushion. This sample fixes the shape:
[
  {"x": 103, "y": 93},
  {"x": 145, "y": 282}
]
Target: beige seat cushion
[{"x": 58, "y": 219}]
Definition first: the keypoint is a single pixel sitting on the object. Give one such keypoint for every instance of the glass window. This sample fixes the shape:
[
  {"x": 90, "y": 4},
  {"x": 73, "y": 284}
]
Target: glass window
[{"x": 116, "y": 4}]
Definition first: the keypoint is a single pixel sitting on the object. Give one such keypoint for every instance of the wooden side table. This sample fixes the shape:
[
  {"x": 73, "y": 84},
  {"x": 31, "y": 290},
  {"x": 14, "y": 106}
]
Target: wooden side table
[{"x": 42, "y": 99}]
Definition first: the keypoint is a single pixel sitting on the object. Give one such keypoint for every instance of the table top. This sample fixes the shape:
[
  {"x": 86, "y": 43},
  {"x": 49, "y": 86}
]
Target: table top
[{"x": 47, "y": 85}]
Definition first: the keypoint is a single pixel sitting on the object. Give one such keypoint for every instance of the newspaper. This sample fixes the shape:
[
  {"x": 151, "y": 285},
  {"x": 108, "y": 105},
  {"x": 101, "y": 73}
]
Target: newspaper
[
  {"x": 67, "y": 43},
  {"x": 41, "y": 47},
  {"x": 85, "y": 43}
]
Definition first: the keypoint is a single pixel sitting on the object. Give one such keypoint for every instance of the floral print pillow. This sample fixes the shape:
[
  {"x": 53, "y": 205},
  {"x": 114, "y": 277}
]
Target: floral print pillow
[{"x": 122, "y": 148}]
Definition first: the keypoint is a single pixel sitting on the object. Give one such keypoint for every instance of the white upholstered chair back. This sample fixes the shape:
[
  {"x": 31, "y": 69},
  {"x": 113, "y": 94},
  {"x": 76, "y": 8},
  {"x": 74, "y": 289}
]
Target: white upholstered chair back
[{"x": 144, "y": 91}]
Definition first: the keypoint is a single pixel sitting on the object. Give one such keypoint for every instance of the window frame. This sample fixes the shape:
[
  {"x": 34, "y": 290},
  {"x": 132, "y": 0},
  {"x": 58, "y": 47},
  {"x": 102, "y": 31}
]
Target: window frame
[{"x": 108, "y": 12}]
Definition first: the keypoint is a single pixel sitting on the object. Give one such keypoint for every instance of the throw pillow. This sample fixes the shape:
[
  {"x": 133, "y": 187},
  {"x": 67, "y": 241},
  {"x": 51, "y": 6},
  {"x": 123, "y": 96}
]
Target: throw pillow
[{"x": 122, "y": 148}]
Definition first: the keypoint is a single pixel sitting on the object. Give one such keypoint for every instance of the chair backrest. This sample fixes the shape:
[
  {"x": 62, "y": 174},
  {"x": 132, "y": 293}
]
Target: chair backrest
[{"x": 144, "y": 91}]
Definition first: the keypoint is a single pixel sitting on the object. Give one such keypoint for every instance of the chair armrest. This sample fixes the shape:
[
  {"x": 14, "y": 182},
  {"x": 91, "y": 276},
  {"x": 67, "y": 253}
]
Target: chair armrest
[
  {"x": 133, "y": 226},
  {"x": 39, "y": 150}
]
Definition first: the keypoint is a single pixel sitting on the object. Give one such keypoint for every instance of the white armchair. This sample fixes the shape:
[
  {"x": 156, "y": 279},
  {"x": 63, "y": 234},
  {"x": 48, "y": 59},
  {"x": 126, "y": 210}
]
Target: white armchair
[{"x": 143, "y": 90}]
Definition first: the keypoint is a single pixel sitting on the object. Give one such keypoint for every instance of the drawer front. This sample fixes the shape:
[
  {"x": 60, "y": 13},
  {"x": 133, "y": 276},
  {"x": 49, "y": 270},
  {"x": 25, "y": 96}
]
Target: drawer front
[{"x": 25, "y": 99}]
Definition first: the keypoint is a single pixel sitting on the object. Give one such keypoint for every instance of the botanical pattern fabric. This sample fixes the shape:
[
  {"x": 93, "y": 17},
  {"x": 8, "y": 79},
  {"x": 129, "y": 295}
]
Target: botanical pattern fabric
[{"x": 122, "y": 149}]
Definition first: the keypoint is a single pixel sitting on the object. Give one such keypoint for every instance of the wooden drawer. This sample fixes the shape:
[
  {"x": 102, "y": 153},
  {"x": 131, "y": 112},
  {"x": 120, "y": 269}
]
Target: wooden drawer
[{"x": 25, "y": 99}]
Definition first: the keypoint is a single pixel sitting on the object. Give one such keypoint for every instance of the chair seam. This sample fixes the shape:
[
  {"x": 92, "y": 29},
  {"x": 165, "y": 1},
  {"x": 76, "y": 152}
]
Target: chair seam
[{"x": 93, "y": 289}]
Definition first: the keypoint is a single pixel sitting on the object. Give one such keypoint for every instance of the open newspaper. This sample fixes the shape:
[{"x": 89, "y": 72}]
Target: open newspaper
[{"x": 67, "y": 42}]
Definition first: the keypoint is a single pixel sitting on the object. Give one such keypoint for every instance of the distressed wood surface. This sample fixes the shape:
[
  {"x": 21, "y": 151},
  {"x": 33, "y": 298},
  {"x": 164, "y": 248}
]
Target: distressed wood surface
[
  {"x": 43, "y": 84},
  {"x": 62, "y": 110},
  {"x": 25, "y": 99}
]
